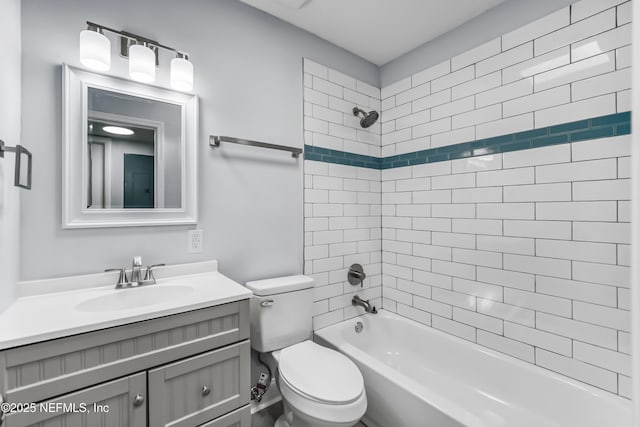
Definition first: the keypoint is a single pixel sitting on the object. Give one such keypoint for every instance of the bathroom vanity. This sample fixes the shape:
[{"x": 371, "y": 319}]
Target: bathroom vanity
[{"x": 181, "y": 359}]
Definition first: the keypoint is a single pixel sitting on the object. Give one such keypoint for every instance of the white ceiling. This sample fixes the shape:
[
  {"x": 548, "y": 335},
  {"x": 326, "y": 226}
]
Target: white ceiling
[{"x": 377, "y": 30}]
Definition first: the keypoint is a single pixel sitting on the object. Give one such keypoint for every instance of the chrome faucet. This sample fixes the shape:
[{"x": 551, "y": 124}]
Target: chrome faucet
[
  {"x": 357, "y": 301},
  {"x": 136, "y": 274}
]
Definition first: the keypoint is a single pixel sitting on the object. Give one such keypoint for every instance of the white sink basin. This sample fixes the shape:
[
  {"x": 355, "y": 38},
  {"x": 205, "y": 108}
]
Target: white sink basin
[{"x": 126, "y": 299}]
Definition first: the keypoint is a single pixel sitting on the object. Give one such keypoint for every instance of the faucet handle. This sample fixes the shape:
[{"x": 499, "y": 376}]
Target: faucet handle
[
  {"x": 356, "y": 275},
  {"x": 137, "y": 261},
  {"x": 148, "y": 275},
  {"x": 122, "y": 278}
]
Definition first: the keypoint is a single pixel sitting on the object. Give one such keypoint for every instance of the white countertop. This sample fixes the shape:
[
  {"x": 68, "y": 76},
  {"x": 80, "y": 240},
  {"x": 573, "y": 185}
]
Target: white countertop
[{"x": 45, "y": 316}]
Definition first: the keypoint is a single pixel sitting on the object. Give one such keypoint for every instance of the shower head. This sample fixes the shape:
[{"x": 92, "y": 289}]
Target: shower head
[{"x": 367, "y": 118}]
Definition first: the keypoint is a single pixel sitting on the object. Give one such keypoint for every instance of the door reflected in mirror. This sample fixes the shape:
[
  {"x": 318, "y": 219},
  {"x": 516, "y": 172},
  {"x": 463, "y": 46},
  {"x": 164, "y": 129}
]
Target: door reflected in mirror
[{"x": 133, "y": 152}]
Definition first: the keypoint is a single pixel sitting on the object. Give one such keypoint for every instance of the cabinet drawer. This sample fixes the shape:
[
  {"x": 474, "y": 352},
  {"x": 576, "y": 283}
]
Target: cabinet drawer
[
  {"x": 196, "y": 390},
  {"x": 238, "y": 418},
  {"x": 108, "y": 404}
]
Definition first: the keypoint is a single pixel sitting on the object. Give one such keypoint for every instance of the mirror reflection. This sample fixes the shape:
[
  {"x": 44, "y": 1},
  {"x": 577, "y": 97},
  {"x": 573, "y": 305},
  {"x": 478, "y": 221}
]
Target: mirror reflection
[{"x": 133, "y": 153}]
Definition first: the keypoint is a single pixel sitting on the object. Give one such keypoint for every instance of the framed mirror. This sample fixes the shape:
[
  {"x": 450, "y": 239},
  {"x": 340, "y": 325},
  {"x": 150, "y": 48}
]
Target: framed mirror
[{"x": 129, "y": 154}]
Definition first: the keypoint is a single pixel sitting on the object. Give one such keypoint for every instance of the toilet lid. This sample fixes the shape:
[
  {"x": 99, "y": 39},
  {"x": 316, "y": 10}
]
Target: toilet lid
[{"x": 321, "y": 373}]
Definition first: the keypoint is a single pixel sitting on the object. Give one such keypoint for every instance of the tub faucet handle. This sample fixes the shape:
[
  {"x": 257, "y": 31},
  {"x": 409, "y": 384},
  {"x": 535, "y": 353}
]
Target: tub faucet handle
[{"x": 356, "y": 275}]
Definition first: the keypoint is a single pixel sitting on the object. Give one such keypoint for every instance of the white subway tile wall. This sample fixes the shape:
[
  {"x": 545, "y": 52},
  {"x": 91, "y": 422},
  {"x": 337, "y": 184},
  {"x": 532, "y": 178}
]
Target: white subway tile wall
[
  {"x": 329, "y": 98},
  {"x": 525, "y": 252},
  {"x": 342, "y": 203},
  {"x": 570, "y": 65},
  {"x": 532, "y": 268}
]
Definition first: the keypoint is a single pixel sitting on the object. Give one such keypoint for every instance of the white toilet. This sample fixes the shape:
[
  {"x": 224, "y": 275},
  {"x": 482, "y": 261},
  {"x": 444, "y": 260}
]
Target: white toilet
[{"x": 320, "y": 387}]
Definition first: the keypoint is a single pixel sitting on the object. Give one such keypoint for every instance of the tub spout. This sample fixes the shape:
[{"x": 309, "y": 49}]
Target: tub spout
[{"x": 357, "y": 301}]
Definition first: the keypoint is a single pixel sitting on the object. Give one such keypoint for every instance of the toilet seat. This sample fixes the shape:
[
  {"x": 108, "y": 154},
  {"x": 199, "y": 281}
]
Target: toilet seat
[
  {"x": 320, "y": 374},
  {"x": 321, "y": 383}
]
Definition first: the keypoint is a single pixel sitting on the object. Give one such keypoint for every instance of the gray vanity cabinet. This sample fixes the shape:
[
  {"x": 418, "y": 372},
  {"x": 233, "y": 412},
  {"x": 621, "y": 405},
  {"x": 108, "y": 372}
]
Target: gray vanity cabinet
[{"x": 184, "y": 370}]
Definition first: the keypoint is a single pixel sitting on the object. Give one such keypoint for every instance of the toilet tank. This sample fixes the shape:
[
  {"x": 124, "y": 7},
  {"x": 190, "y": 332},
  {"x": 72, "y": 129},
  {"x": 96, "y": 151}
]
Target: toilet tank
[{"x": 281, "y": 312}]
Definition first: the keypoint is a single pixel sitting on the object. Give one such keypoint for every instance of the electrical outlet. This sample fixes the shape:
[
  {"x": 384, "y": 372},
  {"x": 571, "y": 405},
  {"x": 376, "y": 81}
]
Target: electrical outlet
[{"x": 195, "y": 241}]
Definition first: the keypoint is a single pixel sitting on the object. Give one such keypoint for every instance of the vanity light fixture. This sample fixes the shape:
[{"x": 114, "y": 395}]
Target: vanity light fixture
[
  {"x": 117, "y": 130},
  {"x": 181, "y": 73},
  {"x": 95, "y": 49},
  {"x": 95, "y": 54},
  {"x": 142, "y": 63}
]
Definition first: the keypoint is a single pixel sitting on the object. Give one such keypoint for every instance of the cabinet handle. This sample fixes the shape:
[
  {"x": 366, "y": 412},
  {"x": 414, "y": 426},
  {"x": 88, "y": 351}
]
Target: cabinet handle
[
  {"x": 205, "y": 390},
  {"x": 138, "y": 400}
]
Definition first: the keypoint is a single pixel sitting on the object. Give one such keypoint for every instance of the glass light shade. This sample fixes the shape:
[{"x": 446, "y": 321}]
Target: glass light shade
[
  {"x": 181, "y": 74},
  {"x": 95, "y": 50},
  {"x": 142, "y": 63}
]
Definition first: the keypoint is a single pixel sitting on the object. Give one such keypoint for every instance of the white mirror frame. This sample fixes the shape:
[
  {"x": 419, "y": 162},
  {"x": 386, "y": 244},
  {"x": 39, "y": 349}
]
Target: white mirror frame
[{"x": 75, "y": 84}]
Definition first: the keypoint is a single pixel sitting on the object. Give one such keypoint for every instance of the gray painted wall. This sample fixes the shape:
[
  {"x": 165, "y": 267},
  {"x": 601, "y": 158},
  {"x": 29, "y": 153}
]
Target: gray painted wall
[
  {"x": 248, "y": 74},
  {"x": 10, "y": 133},
  {"x": 493, "y": 23}
]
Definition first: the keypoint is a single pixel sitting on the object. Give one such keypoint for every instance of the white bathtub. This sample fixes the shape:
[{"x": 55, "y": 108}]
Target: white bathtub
[{"x": 417, "y": 376}]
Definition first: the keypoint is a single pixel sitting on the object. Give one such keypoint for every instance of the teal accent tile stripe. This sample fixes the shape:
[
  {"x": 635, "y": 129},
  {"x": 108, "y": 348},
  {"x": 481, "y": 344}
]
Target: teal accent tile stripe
[
  {"x": 583, "y": 130},
  {"x": 340, "y": 157}
]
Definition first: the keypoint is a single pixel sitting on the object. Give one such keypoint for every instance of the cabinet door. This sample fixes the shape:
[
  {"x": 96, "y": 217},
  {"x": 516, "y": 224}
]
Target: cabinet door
[
  {"x": 197, "y": 390},
  {"x": 119, "y": 403}
]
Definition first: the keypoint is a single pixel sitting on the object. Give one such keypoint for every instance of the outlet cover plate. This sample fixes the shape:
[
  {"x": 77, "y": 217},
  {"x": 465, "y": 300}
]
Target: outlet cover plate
[{"x": 195, "y": 241}]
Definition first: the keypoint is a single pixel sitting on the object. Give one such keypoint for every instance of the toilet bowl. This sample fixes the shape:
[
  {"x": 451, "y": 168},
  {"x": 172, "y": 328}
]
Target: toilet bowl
[{"x": 320, "y": 387}]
